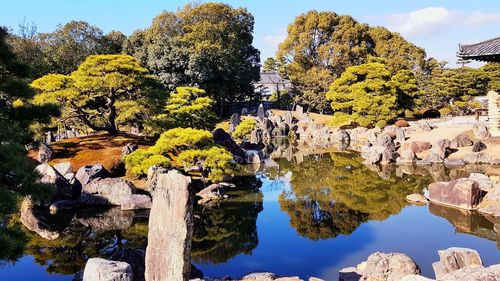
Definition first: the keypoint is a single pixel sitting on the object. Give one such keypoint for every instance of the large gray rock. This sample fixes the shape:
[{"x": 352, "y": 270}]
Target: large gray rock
[
  {"x": 461, "y": 193},
  {"x": 261, "y": 114},
  {"x": 481, "y": 132},
  {"x": 234, "y": 121},
  {"x": 453, "y": 259},
  {"x": 477, "y": 158},
  {"x": 34, "y": 222},
  {"x": 490, "y": 204},
  {"x": 109, "y": 191},
  {"x": 259, "y": 276},
  {"x": 461, "y": 140},
  {"x": 153, "y": 173},
  {"x": 134, "y": 257},
  {"x": 406, "y": 157},
  {"x": 64, "y": 168},
  {"x": 478, "y": 146},
  {"x": 128, "y": 149},
  {"x": 136, "y": 202},
  {"x": 485, "y": 183},
  {"x": 168, "y": 254},
  {"x": 224, "y": 139},
  {"x": 254, "y": 157},
  {"x": 474, "y": 273},
  {"x": 390, "y": 267},
  {"x": 49, "y": 175},
  {"x": 441, "y": 148},
  {"x": 110, "y": 220},
  {"x": 416, "y": 146},
  {"x": 98, "y": 269},
  {"x": 89, "y": 173},
  {"x": 45, "y": 153}
]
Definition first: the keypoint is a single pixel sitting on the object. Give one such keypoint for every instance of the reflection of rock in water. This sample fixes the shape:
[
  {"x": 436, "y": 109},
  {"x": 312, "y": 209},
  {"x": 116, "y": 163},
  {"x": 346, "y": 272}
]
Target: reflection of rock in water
[
  {"x": 110, "y": 219},
  {"x": 230, "y": 229},
  {"x": 321, "y": 220},
  {"x": 469, "y": 222},
  {"x": 34, "y": 220}
]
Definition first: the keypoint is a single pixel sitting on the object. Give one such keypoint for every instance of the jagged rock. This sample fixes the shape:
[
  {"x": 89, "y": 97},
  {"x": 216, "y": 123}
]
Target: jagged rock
[
  {"x": 64, "y": 168},
  {"x": 98, "y": 269},
  {"x": 134, "y": 257},
  {"x": 478, "y": 146},
  {"x": 88, "y": 173},
  {"x": 45, "y": 153},
  {"x": 32, "y": 221},
  {"x": 433, "y": 157},
  {"x": 390, "y": 267},
  {"x": 474, "y": 273},
  {"x": 442, "y": 148},
  {"x": 484, "y": 181},
  {"x": 259, "y": 276},
  {"x": 417, "y": 198},
  {"x": 109, "y": 191},
  {"x": 461, "y": 140},
  {"x": 224, "y": 139},
  {"x": 416, "y": 146},
  {"x": 168, "y": 253},
  {"x": 477, "y": 158},
  {"x": 490, "y": 204},
  {"x": 453, "y": 162},
  {"x": 136, "y": 202},
  {"x": 260, "y": 112},
  {"x": 461, "y": 193},
  {"x": 481, "y": 132},
  {"x": 110, "y": 220},
  {"x": 234, "y": 121},
  {"x": 128, "y": 149},
  {"x": 453, "y": 259},
  {"x": 406, "y": 157},
  {"x": 63, "y": 205},
  {"x": 64, "y": 190},
  {"x": 153, "y": 173}
]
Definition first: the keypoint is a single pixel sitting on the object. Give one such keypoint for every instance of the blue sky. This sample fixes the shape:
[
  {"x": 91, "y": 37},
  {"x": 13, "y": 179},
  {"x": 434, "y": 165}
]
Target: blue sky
[{"x": 437, "y": 25}]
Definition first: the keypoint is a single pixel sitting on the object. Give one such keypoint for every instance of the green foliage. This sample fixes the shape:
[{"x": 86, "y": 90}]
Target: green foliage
[
  {"x": 364, "y": 94},
  {"x": 216, "y": 160},
  {"x": 138, "y": 162},
  {"x": 188, "y": 147},
  {"x": 286, "y": 98},
  {"x": 190, "y": 107},
  {"x": 105, "y": 91},
  {"x": 244, "y": 128},
  {"x": 320, "y": 46},
  {"x": 445, "y": 111},
  {"x": 208, "y": 45},
  {"x": 493, "y": 72}
]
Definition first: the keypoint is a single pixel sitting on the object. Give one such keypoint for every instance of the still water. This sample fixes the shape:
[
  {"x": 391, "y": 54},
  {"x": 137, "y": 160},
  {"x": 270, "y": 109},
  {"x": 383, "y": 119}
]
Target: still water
[{"x": 306, "y": 216}]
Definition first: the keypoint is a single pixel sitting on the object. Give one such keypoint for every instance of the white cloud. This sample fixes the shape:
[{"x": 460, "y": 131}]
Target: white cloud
[
  {"x": 273, "y": 40},
  {"x": 432, "y": 21}
]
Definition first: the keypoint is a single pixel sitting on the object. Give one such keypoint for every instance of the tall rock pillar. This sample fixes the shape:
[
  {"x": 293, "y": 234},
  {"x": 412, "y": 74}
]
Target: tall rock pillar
[{"x": 494, "y": 113}]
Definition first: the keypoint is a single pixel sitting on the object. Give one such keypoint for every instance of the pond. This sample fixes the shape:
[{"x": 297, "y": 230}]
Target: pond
[{"x": 306, "y": 216}]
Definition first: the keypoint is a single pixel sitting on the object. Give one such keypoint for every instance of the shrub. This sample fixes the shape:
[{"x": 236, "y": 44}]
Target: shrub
[
  {"x": 138, "y": 162},
  {"x": 244, "y": 128},
  {"x": 216, "y": 160},
  {"x": 381, "y": 124},
  {"x": 178, "y": 139},
  {"x": 445, "y": 111}
]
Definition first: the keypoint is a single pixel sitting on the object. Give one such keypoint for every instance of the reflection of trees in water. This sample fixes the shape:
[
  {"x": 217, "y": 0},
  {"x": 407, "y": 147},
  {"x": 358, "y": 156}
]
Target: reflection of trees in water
[
  {"x": 12, "y": 241},
  {"x": 69, "y": 253},
  {"x": 332, "y": 194},
  {"x": 229, "y": 229}
]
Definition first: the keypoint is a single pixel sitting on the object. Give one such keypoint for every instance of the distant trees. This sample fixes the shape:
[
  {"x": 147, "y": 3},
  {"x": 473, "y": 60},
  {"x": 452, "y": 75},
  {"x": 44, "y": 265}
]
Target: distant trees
[
  {"x": 208, "y": 46},
  {"x": 64, "y": 49},
  {"x": 320, "y": 46},
  {"x": 104, "y": 91}
]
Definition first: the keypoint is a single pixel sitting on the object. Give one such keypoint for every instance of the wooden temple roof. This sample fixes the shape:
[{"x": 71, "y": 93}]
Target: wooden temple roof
[{"x": 488, "y": 51}]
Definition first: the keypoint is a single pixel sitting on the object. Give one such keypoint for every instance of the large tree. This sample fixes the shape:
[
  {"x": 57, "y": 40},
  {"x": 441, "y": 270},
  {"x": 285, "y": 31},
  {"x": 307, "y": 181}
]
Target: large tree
[
  {"x": 64, "y": 49},
  {"x": 16, "y": 171},
  {"x": 208, "y": 46},
  {"x": 104, "y": 90},
  {"x": 320, "y": 46}
]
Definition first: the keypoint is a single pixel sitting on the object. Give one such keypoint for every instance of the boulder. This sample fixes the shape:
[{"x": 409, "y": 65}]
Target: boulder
[
  {"x": 417, "y": 198},
  {"x": 474, "y": 273},
  {"x": 152, "y": 176},
  {"x": 33, "y": 221},
  {"x": 453, "y": 259},
  {"x": 234, "y": 121},
  {"x": 461, "y": 140},
  {"x": 416, "y": 146},
  {"x": 477, "y": 158},
  {"x": 89, "y": 173},
  {"x": 45, "y": 153},
  {"x": 259, "y": 276},
  {"x": 402, "y": 123},
  {"x": 485, "y": 183},
  {"x": 128, "y": 149},
  {"x": 110, "y": 220},
  {"x": 461, "y": 193},
  {"x": 168, "y": 253},
  {"x": 453, "y": 162},
  {"x": 261, "y": 114},
  {"x": 390, "y": 267},
  {"x": 406, "y": 157},
  {"x": 134, "y": 257},
  {"x": 490, "y": 204},
  {"x": 109, "y": 191},
  {"x": 254, "y": 157},
  {"x": 433, "y": 157},
  {"x": 136, "y": 202},
  {"x": 98, "y": 269},
  {"x": 481, "y": 132},
  {"x": 400, "y": 136},
  {"x": 442, "y": 148},
  {"x": 225, "y": 140},
  {"x": 64, "y": 168},
  {"x": 213, "y": 192},
  {"x": 49, "y": 175},
  {"x": 478, "y": 146}
]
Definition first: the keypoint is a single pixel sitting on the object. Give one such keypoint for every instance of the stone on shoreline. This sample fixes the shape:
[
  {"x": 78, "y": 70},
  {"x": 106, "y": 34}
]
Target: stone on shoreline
[
  {"x": 416, "y": 146},
  {"x": 64, "y": 190},
  {"x": 490, "y": 204},
  {"x": 98, "y": 269},
  {"x": 417, "y": 198},
  {"x": 461, "y": 193},
  {"x": 109, "y": 191},
  {"x": 31, "y": 220},
  {"x": 461, "y": 140},
  {"x": 136, "y": 202},
  {"x": 453, "y": 259},
  {"x": 88, "y": 173}
]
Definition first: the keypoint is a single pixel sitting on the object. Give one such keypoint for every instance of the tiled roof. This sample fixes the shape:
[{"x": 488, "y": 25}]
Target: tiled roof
[
  {"x": 271, "y": 78},
  {"x": 480, "y": 50}
]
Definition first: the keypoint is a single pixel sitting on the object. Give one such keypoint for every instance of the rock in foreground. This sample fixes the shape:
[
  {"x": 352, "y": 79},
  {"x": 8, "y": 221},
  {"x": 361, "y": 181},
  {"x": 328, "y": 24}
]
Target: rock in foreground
[
  {"x": 110, "y": 191},
  {"x": 98, "y": 269},
  {"x": 461, "y": 193}
]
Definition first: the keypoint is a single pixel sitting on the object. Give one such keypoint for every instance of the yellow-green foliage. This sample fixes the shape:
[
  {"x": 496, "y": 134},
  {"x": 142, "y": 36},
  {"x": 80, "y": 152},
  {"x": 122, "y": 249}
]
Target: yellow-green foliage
[
  {"x": 179, "y": 139},
  {"x": 244, "y": 128},
  {"x": 138, "y": 162},
  {"x": 445, "y": 111},
  {"x": 188, "y": 146},
  {"x": 216, "y": 159}
]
